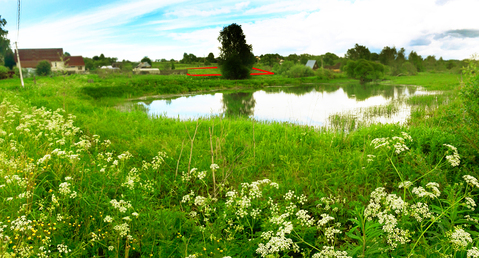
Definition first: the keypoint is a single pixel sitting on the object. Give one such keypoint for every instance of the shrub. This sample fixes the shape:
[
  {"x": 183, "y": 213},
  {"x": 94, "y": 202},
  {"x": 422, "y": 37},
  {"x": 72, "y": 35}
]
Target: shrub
[
  {"x": 44, "y": 68},
  {"x": 408, "y": 69},
  {"x": 299, "y": 71},
  {"x": 364, "y": 70},
  {"x": 3, "y": 72}
]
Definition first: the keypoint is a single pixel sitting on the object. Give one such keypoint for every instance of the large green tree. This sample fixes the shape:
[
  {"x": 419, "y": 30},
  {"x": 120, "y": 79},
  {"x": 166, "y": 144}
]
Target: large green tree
[
  {"x": 236, "y": 56},
  {"x": 146, "y": 59},
  {"x": 388, "y": 55},
  {"x": 358, "y": 52},
  {"x": 4, "y": 42}
]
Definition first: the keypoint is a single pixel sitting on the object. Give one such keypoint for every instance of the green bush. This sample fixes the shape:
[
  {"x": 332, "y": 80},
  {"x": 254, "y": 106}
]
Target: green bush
[
  {"x": 283, "y": 68},
  {"x": 408, "y": 69},
  {"x": 44, "y": 68},
  {"x": 364, "y": 70},
  {"x": 3, "y": 72},
  {"x": 300, "y": 71}
]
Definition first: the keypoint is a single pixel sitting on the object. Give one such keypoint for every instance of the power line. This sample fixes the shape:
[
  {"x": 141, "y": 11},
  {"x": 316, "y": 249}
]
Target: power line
[{"x": 18, "y": 19}]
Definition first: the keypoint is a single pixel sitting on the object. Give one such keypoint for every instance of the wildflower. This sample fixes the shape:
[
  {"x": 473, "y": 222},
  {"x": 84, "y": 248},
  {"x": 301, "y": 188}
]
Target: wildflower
[
  {"x": 420, "y": 211},
  {"x": 459, "y": 238},
  {"x": 473, "y": 252},
  {"x": 470, "y": 203},
  {"x": 328, "y": 252},
  {"x": 472, "y": 181},
  {"x": 122, "y": 229},
  {"x": 64, "y": 188},
  {"x": 326, "y": 218},
  {"x": 330, "y": 232},
  {"x": 111, "y": 248},
  {"x": 127, "y": 218},
  {"x": 63, "y": 248},
  {"x": 405, "y": 184},
  {"x": 214, "y": 167},
  {"x": 108, "y": 219},
  {"x": 453, "y": 159},
  {"x": 200, "y": 200},
  {"x": 421, "y": 192},
  {"x": 289, "y": 195},
  {"x": 371, "y": 158},
  {"x": 434, "y": 188},
  {"x": 121, "y": 205},
  {"x": 201, "y": 175},
  {"x": 135, "y": 214}
]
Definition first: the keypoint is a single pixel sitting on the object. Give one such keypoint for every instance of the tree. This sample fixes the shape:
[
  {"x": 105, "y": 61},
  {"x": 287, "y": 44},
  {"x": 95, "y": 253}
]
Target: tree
[
  {"x": 270, "y": 59},
  {"x": 388, "y": 55},
  {"x": 4, "y": 42},
  {"x": 43, "y": 68},
  {"x": 235, "y": 55},
  {"x": 67, "y": 54},
  {"x": 330, "y": 59},
  {"x": 146, "y": 59},
  {"x": 210, "y": 58},
  {"x": 416, "y": 60},
  {"x": 358, "y": 52},
  {"x": 292, "y": 57},
  {"x": 9, "y": 59},
  {"x": 364, "y": 70},
  {"x": 172, "y": 61}
]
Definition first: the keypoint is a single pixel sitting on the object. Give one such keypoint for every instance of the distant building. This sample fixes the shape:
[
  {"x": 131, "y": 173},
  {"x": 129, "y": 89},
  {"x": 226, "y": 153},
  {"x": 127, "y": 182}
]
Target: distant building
[
  {"x": 143, "y": 65},
  {"x": 30, "y": 58},
  {"x": 312, "y": 64}
]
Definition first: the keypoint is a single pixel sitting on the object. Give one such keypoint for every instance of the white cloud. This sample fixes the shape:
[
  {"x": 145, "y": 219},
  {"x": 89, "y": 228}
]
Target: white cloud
[{"x": 284, "y": 27}]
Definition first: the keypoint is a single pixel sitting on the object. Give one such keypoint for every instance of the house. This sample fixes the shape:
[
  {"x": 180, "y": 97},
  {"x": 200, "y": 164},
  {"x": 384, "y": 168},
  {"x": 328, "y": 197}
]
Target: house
[
  {"x": 30, "y": 58},
  {"x": 312, "y": 64}
]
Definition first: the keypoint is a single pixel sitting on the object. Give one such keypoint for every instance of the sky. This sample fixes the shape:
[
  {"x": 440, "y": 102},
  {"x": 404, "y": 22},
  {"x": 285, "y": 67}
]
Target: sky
[{"x": 132, "y": 29}]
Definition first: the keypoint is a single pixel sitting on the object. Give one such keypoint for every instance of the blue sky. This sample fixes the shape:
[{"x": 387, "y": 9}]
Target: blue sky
[{"x": 130, "y": 29}]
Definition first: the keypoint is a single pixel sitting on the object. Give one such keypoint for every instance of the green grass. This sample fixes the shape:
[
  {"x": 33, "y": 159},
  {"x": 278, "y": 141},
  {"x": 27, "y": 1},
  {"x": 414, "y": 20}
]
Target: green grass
[
  {"x": 331, "y": 168},
  {"x": 432, "y": 81}
]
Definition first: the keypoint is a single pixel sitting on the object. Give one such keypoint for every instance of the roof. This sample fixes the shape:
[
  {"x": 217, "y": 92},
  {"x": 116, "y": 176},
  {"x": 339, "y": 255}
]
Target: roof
[
  {"x": 29, "y": 58},
  {"x": 74, "y": 60},
  {"x": 311, "y": 63},
  {"x": 144, "y": 65}
]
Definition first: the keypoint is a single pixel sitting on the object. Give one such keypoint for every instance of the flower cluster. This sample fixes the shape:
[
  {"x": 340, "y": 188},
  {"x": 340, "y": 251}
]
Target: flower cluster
[
  {"x": 454, "y": 159},
  {"x": 329, "y": 252},
  {"x": 397, "y": 143},
  {"x": 459, "y": 238},
  {"x": 121, "y": 205}
]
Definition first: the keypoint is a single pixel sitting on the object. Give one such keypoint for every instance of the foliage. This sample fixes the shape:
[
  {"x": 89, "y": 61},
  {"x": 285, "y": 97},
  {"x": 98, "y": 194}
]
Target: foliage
[
  {"x": 470, "y": 91},
  {"x": 188, "y": 59},
  {"x": 408, "y": 68},
  {"x": 270, "y": 59},
  {"x": 146, "y": 59},
  {"x": 298, "y": 71},
  {"x": 43, "y": 68},
  {"x": 9, "y": 59},
  {"x": 416, "y": 60},
  {"x": 329, "y": 58},
  {"x": 211, "y": 58},
  {"x": 4, "y": 41},
  {"x": 358, "y": 52},
  {"x": 364, "y": 70},
  {"x": 3, "y": 72},
  {"x": 237, "y": 58},
  {"x": 234, "y": 68}
]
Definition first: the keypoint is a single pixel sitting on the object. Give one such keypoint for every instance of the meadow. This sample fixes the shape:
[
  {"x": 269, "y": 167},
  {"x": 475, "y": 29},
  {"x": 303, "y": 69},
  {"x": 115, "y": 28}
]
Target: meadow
[{"x": 79, "y": 178}]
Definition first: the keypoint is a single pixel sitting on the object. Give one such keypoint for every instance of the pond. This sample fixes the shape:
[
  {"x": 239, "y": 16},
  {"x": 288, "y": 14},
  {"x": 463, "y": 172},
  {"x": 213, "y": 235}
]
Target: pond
[{"x": 318, "y": 105}]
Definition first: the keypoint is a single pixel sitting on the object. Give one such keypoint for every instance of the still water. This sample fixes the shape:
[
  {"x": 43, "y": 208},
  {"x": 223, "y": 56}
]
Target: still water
[{"x": 319, "y": 105}]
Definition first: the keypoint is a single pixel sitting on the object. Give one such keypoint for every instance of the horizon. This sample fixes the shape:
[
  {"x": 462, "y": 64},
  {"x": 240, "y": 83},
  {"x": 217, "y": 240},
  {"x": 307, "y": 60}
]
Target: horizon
[{"x": 131, "y": 30}]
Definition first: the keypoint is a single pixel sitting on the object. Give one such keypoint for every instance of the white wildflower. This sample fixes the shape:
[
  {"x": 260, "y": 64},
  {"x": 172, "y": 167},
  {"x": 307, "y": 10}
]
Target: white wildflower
[
  {"x": 405, "y": 184},
  {"x": 473, "y": 252},
  {"x": 470, "y": 203},
  {"x": 108, "y": 219},
  {"x": 460, "y": 238},
  {"x": 200, "y": 200},
  {"x": 328, "y": 252},
  {"x": 472, "y": 181}
]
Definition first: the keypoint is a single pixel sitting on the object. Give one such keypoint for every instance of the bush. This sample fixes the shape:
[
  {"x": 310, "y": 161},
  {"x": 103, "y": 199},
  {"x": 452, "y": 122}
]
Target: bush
[
  {"x": 408, "y": 69},
  {"x": 364, "y": 70},
  {"x": 300, "y": 71},
  {"x": 283, "y": 68},
  {"x": 44, "y": 68},
  {"x": 3, "y": 72}
]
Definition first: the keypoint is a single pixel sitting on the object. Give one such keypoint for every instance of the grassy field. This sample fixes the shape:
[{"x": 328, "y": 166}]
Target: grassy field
[{"x": 79, "y": 178}]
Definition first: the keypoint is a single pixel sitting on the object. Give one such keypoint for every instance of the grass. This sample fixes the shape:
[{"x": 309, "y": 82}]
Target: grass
[{"x": 229, "y": 213}]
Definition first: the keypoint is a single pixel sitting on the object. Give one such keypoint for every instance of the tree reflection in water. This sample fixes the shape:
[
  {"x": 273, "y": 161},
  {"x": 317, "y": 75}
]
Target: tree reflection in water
[{"x": 238, "y": 104}]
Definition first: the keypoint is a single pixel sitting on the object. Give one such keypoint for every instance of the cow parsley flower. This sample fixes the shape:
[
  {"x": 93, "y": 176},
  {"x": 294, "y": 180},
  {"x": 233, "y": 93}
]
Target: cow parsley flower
[
  {"x": 472, "y": 181},
  {"x": 470, "y": 203},
  {"x": 459, "y": 238}
]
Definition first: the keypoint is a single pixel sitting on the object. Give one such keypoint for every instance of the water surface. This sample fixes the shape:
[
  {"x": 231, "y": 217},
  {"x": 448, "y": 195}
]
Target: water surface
[{"x": 319, "y": 105}]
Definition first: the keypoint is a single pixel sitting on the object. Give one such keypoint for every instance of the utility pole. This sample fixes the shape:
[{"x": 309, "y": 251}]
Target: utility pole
[{"x": 19, "y": 65}]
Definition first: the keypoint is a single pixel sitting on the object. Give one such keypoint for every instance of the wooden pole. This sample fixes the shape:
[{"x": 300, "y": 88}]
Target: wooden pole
[{"x": 19, "y": 65}]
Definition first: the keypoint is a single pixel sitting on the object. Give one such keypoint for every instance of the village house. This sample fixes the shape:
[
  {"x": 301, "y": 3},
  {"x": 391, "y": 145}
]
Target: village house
[
  {"x": 30, "y": 58},
  {"x": 312, "y": 64}
]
